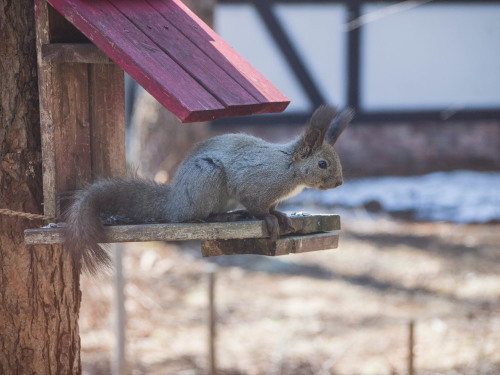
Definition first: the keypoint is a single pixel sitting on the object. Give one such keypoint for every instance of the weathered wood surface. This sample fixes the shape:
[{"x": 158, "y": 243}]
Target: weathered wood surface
[
  {"x": 71, "y": 125},
  {"x": 107, "y": 118},
  {"x": 74, "y": 52},
  {"x": 166, "y": 35},
  {"x": 191, "y": 231},
  {"x": 81, "y": 110},
  {"x": 174, "y": 56},
  {"x": 264, "y": 246},
  {"x": 271, "y": 99}
]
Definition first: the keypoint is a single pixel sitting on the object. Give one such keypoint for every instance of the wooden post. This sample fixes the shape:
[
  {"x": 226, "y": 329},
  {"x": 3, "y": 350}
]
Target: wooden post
[
  {"x": 119, "y": 364},
  {"x": 212, "y": 321},
  {"x": 411, "y": 346}
]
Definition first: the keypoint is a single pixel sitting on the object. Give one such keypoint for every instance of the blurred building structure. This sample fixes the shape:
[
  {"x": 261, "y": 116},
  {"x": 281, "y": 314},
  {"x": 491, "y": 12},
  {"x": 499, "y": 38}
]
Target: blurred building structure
[{"x": 424, "y": 76}]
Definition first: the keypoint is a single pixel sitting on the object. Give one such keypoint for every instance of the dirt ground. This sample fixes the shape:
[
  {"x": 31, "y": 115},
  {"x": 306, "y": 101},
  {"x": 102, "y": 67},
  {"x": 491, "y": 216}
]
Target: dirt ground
[{"x": 343, "y": 311}]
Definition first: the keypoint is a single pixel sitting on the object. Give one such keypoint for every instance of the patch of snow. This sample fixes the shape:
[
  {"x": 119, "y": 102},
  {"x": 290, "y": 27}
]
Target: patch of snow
[{"x": 459, "y": 196}]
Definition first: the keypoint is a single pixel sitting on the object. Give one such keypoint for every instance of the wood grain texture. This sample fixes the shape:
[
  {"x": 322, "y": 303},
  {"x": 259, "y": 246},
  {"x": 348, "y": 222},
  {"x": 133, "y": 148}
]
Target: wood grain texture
[
  {"x": 216, "y": 48},
  {"x": 168, "y": 36},
  {"x": 71, "y": 122},
  {"x": 107, "y": 117},
  {"x": 82, "y": 111},
  {"x": 46, "y": 93},
  {"x": 64, "y": 121},
  {"x": 264, "y": 246},
  {"x": 191, "y": 231},
  {"x": 154, "y": 42}
]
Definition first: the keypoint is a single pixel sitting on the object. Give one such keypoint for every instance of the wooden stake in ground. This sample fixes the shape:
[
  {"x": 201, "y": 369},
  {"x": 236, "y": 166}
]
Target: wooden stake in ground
[
  {"x": 212, "y": 322},
  {"x": 119, "y": 362},
  {"x": 411, "y": 346}
]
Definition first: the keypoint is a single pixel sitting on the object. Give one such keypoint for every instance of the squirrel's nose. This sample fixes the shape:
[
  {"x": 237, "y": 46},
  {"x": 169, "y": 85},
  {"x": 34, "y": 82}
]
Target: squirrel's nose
[{"x": 338, "y": 183}]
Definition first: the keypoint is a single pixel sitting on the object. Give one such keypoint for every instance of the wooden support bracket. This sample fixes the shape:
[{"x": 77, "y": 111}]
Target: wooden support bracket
[
  {"x": 304, "y": 224},
  {"x": 264, "y": 246}
]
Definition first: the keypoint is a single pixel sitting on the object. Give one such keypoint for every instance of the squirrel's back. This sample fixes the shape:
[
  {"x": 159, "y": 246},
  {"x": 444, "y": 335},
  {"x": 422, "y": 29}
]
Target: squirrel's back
[{"x": 238, "y": 167}]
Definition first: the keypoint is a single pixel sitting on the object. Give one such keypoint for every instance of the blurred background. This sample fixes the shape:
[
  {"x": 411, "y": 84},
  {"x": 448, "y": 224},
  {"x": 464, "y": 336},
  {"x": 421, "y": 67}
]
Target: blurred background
[{"x": 419, "y": 252}]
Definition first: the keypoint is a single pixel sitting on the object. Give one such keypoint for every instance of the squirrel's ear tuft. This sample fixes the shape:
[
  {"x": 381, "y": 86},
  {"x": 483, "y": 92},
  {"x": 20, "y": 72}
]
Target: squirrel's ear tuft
[
  {"x": 315, "y": 132},
  {"x": 339, "y": 124}
]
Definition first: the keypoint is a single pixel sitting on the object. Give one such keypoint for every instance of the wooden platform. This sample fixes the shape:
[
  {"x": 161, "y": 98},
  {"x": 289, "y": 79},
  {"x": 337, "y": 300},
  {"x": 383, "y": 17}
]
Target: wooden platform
[
  {"x": 313, "y": 232},
  {"x": 172, "y": 53}
]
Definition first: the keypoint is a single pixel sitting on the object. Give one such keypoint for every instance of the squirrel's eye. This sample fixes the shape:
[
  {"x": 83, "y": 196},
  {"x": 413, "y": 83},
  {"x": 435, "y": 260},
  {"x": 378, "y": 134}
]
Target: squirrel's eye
[{"x": 322, "y": 164}]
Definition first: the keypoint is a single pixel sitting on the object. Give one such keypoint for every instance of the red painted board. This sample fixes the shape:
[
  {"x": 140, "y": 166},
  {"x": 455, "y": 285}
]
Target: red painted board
[
  {"x": 217, "y": 49},
  {"x": 175, "y": 56},
  {"x": 188, "y": 55},
  {"x": 134, "y": 51}
]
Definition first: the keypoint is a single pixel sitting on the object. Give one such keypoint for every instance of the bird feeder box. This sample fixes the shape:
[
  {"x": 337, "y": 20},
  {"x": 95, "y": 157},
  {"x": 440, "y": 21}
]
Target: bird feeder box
[{"x": 83, "y": 48}]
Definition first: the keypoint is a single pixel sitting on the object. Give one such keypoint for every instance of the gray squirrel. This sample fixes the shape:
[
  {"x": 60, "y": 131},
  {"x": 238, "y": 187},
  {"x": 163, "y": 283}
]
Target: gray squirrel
[{"x": 219, "y": 174}]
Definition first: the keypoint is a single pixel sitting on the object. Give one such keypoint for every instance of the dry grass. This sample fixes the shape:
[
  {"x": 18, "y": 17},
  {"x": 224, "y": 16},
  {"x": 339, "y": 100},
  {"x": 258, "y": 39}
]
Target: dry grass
[{"x": 342, "y": 311}]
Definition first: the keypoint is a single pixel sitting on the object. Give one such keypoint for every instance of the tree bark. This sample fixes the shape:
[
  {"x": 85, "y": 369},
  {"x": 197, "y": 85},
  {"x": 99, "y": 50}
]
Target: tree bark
[{"x": 39, "y": 292}]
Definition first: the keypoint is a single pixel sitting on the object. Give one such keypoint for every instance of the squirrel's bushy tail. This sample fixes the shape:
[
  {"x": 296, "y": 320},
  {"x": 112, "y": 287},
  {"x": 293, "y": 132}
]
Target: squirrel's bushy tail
[
  {"x": 84, "y": 232},
  {"x": 130, "y": 199}
]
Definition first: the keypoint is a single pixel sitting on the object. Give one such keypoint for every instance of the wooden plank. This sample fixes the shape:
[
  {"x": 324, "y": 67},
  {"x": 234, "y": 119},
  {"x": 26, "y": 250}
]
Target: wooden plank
[
  {"x": 191, "y": 231},
  {"x": 217, "y": 49},
  {"x": 107, "y": 116},
  {"x": 74, "y": 52},
  {"x": 160, "y": 29},
  {"x": 170, "y": 84},
  {"x": 46, "y": 123},
  {"x": 71, "y": 121},
  {"x": 264, "y": 246}
]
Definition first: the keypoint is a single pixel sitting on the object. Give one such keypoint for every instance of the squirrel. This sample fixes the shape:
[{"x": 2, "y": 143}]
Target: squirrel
[{"x": 219, "y": 174}]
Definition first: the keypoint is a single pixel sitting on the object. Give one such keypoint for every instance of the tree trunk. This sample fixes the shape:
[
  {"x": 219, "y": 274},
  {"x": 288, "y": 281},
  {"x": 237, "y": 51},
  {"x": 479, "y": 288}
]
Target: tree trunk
[
  {"x": 159, "y": 141},
  {"x": 39, "y": 292}
]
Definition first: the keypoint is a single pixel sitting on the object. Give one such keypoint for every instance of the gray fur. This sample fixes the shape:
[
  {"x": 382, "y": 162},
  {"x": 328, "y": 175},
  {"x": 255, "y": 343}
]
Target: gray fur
[{"x": 219, "y": 174}]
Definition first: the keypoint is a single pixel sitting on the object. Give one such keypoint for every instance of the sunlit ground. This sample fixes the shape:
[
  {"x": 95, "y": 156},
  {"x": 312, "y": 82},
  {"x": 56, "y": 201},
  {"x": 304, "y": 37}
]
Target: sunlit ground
[{"x": 343, "y": 311}]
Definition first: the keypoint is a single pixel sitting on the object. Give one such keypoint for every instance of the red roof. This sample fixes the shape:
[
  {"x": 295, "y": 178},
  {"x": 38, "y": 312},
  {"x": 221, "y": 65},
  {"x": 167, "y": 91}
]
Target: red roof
[{"x": 175, "y": 56}]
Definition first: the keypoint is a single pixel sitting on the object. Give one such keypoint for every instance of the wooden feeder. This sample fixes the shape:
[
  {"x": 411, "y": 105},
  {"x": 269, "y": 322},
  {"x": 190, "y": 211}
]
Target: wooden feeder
[{"x": 84, "y": 47}]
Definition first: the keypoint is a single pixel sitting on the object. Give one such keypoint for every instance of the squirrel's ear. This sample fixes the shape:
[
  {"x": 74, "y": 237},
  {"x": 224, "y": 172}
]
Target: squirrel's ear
[
  {"x": 339, "y": 124},
  {"x": 315, "y": 132}
]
